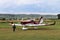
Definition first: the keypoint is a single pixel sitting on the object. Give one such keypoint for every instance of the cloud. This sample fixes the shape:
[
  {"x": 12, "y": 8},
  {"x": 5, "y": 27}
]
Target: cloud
[
  {"x": 20, "y": 2},
  {"x": 29, "y": 5},
  {"x": 5, "y": 3},
  {"x": 11, "y": 3},
  {"x": 16, "y": 3}
]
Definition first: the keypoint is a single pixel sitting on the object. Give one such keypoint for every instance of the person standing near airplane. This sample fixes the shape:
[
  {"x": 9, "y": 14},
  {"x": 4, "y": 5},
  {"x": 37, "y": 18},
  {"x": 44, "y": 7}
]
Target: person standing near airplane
[{"x": 14, "y": 28}]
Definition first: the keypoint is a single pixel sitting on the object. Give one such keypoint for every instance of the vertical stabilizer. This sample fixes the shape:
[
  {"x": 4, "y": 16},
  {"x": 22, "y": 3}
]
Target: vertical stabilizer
[{"x": 41, "y": 20}]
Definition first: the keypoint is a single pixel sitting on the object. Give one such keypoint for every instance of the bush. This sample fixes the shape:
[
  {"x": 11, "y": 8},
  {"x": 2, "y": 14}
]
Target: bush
[
  {"x": 58, "y": 16},
  {"x": 3, "y": 19}
]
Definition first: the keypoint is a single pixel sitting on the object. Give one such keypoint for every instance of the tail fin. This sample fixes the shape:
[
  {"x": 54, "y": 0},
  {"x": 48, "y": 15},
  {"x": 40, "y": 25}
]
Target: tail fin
[{"x": 41, "y": 20}]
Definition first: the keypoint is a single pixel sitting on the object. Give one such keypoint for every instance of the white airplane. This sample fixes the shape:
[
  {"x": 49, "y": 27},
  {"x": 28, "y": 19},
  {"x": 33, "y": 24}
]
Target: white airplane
[{"x": 32, "y": 23}]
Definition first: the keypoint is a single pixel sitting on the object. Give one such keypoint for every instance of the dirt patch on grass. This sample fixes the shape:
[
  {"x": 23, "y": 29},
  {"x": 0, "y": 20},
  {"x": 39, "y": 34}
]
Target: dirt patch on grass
[{"x": 5, "y": 28}]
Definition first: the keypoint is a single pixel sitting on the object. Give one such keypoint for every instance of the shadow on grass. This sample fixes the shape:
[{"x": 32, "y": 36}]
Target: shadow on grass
[{"x": 40, "y": 29}]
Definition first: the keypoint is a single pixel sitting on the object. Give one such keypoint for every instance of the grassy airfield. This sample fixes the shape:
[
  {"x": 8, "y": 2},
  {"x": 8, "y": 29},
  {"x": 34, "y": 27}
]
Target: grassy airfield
[{"x": 43, "y": 33}]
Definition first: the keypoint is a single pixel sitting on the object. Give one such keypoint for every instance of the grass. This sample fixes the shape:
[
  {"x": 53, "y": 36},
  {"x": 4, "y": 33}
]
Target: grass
[{"x": 44, "y": 33}]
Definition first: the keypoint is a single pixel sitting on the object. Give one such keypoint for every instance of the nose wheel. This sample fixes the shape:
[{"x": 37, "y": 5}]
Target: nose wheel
[
  {"x": 24, "y": 28},
  {"x": 35, "y": 28}
]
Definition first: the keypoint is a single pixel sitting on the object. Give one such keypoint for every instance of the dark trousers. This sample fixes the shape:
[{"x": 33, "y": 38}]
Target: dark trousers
[{"x": 14, "y": 29}]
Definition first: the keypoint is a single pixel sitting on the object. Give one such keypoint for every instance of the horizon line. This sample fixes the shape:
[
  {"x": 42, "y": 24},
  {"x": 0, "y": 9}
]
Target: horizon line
[{"x": 28, "y": 13}]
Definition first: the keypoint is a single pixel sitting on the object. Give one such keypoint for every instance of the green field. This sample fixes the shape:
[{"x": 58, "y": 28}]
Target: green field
[{"x": 43, "y": 33}]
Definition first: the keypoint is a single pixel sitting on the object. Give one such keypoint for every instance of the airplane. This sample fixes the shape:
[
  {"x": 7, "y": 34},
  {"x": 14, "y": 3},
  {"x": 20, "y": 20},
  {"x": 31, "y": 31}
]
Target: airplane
[{"x": 32, "y": 23}]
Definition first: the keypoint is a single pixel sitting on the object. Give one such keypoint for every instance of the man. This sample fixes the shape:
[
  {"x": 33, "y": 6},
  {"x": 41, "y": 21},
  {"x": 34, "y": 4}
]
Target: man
[{"x": 14, "y": 27}]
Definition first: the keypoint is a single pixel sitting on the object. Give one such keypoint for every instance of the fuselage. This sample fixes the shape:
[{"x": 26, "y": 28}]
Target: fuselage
[
  {"x": 29, "y": 22},
  {"x": 32, "y": 21}
]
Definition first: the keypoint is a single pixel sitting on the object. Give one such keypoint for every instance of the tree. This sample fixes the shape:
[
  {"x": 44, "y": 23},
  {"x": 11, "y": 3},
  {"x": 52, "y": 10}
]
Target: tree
[
  {"x": 3, "y": 19},
  {"x": 58, "y": 16}
]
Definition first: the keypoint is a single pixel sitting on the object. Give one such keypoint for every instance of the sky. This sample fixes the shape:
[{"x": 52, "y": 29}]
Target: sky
[{"x": 30, "y": 6}]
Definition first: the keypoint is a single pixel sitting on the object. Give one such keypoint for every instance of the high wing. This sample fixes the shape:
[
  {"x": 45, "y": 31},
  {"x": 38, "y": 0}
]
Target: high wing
[{"x": 29, "y": 24}]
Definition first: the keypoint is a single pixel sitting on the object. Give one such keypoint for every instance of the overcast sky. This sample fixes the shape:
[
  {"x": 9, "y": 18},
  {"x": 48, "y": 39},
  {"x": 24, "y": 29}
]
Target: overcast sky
[{"x": 41, "y": 6}]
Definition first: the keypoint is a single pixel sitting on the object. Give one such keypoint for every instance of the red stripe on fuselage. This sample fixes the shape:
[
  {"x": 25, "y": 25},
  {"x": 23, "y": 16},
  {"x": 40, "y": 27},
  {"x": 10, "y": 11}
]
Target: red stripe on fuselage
[{"x": 27, "y": 22}]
